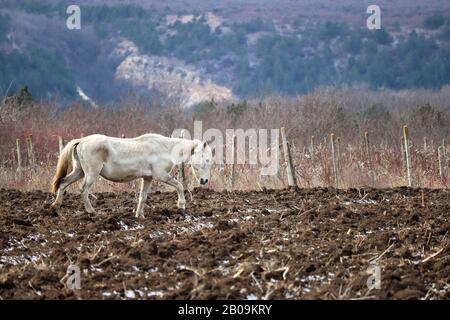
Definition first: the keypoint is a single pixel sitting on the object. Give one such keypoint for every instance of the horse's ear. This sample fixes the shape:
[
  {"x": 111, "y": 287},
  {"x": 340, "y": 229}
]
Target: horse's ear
[{"x": 207, "y": 142}]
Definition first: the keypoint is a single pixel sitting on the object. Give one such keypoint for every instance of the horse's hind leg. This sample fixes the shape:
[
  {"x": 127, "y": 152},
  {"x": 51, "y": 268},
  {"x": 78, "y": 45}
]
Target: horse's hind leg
[
  {"x": 74, "y": 176},
  {"x": 91, "y": 167},
  {"x": 89, "y": 179}
]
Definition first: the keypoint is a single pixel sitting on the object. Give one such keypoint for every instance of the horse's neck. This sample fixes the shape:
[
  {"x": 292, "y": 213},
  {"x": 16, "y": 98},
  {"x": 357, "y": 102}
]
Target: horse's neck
[{"x": 185, "y": 147}]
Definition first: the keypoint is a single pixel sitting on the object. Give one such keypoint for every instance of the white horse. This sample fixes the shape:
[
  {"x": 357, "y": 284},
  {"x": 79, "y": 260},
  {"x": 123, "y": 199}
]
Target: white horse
[{"x": 122, "y": 160}]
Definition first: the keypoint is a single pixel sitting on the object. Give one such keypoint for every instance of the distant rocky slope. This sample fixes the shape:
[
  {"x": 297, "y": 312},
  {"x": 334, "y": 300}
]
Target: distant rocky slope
[
  {"x": 169, "y": 76},
  {"x": 191, "y": 52}
]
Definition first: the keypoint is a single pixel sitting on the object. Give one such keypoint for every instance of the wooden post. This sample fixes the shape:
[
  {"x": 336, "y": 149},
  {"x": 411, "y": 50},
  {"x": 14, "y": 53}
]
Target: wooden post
[
  {"x": 402, "y": 150},
  {"x": 31, "y": 156},
  {"x": 407, "y": 155},
  {"x": 338, "y": 153},
  {"x": 369, "y": 157},
  {"x": 335, "y": 169},
  {"x": 233, "y": 160},
  {"x": 311, "y": 150},
  {"x": 441, "y": 159},
  {"x": 61, "y": 144},
  {"x": 291, "y": 164},
  {"x": 181, "y": 165},
  {"x": 27, "y": 142},
  {"x": 19, "y": 156},
  {"x": 287, "y": 158},
  {"x": 425, "y": 146}
]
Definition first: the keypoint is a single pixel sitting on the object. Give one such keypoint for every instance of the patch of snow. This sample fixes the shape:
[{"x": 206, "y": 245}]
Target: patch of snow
[
  {"x": 155, "y": 294},
  {"x": 252, "y": 296},
  {"x": 130, "y": 294}
]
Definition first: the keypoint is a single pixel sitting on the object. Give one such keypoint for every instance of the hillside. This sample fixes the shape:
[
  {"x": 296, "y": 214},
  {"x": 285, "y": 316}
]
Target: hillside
[{"x": 190, "y": 51}]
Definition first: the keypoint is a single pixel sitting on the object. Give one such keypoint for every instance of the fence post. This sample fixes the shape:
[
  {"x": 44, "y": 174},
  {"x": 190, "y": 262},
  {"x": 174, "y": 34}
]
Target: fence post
[
  {"x": 311, "y": 150},
  {"x": 233, "y": 160},
  {"x": 181, "y": 165},
  {"x": 287, "y": 158},
  {"x": 338, "y": 153},
  {"x": 31, "y": 156},
  {"x": 369, "y": 157},
  {"x": 425, "y": 146},
  {"x": 335, "y": 169},
  {"x": 61, "y": 144},
  {"x": 19, "y": 156},
  {"x": 407, "y": 155},
  {"x": 402, "y": 150},
  {"x": 291, "y": 164},
  {"x": 441, "y": 159}
]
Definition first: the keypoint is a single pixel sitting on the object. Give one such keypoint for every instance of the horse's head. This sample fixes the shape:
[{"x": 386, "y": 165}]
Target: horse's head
[{"x": 201, "y": 161}]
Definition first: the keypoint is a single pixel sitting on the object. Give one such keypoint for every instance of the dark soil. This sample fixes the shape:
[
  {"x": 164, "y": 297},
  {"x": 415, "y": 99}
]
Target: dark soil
[{"x": 275, "y": 244}]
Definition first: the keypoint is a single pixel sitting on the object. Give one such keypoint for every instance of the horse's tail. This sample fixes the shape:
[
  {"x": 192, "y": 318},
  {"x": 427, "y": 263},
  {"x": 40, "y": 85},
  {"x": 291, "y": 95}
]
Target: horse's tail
[{"x": 63, "y": 163}]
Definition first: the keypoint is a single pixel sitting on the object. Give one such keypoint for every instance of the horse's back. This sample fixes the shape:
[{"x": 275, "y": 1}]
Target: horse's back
[
  {"x": 123, "y": 159},
  {"x": 106, "y": 147}
]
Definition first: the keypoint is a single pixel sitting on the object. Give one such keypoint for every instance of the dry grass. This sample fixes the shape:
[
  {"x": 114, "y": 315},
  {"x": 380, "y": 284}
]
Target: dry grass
[{"x": 346, "y": 113}]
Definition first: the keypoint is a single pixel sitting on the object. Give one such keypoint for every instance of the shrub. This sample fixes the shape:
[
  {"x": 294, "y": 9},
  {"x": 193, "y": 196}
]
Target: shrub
[{"x": 434, "y": 22}]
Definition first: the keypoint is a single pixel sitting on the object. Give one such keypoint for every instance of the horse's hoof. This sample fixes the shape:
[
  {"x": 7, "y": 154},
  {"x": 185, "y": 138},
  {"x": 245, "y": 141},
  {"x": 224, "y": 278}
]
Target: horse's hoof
[
  {"x": 184, "y": 213},
  {"x": 54, "y": 205},
  {"x": 187, "y": 215},
  {"x": 49, "y": 210}
]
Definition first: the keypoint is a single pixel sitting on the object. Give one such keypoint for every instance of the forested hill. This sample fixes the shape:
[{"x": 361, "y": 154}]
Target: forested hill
[{"x": 175, "y": 51}]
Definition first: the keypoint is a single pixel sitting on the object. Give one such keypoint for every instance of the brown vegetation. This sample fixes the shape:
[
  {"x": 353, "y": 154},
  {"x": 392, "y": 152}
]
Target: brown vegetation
[{"x": 346, "y": 113}]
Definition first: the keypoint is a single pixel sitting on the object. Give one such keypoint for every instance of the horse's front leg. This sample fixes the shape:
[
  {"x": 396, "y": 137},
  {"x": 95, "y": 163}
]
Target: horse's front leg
[
  {"x": 145, "y": 183},
  {"x": 166, "y": 178}
]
